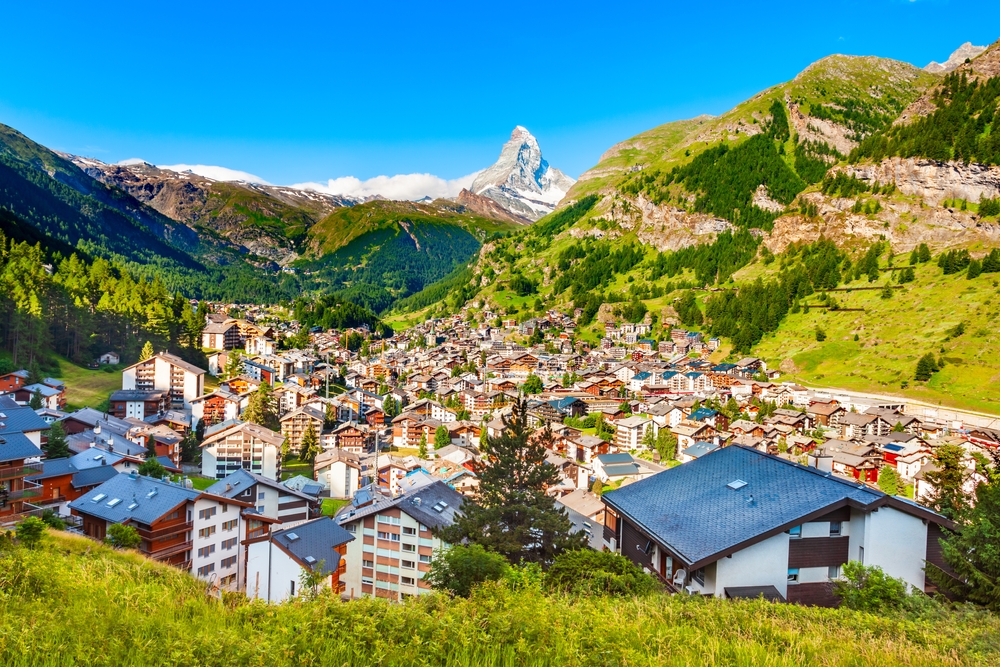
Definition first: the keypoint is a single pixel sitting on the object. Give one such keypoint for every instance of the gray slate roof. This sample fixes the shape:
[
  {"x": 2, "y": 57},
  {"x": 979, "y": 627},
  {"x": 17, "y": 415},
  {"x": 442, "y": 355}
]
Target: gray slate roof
[
  {"x": 692, "y": 511},
  {"x": 240, "y": 480},
  {"x": 316, "y": 539},
  {"x": 418, "y": 503},
  {"x": 129, "y": 489},
  {"x": 20, "y": 419},
  {"x": 16, "y": 446}
]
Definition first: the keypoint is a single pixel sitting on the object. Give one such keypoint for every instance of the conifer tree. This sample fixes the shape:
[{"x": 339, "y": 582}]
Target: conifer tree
[
  {"x": 889, "y": 481},
  {"x": 513, "y": 515},
  {"x": 442, "y": 438},
  {"x": 422, "y": 446},
  {"x": 926, "y": 367},
  {"x": 36, "y": 401},
  {"x": 150, "y": 448},
  {"x": 947, "y": 496},
  {"x": 57, "y": 446},
  {"x": 309, "y": 449},
  {"x": 147, "y": 351}
]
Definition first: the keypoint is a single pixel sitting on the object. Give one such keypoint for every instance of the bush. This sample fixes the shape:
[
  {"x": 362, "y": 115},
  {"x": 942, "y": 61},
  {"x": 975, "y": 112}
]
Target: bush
[
  {"x": 121, "y": 536},
  {"x": 598, "y": 573},
  {"x": 30, "y": 531},
  {"x": 820, "y": 335},
  {"x": 53, "y": 520},
  {"x": 869, "y": 589},
  {"x": 460, "y": 568}
]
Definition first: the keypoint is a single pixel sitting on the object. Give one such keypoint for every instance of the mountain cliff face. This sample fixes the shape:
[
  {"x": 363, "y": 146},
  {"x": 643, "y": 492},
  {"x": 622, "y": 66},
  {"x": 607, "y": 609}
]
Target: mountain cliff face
[
  {"x": 265, "y": 220},
  {"x": 959, "y": 56},
  {"x": 521, "y": 181}
]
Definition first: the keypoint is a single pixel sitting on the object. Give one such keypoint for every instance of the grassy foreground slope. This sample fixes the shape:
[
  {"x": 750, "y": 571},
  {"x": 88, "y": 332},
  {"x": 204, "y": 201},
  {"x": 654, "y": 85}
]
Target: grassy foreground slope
[{"x": 75, "y": 602}]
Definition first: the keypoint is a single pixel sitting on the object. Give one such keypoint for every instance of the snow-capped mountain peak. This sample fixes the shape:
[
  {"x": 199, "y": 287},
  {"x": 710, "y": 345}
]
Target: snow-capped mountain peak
[{"x": 521, "y": 180}]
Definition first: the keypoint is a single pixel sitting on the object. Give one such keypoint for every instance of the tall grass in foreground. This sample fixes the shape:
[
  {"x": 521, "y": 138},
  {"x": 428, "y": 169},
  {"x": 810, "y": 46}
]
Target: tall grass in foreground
[{"x": 73, "y": 602}]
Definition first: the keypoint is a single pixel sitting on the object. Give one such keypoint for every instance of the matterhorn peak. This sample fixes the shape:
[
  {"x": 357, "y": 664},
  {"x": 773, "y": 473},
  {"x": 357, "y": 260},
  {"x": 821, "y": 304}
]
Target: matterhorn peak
[{"x": 521, "y": 180}]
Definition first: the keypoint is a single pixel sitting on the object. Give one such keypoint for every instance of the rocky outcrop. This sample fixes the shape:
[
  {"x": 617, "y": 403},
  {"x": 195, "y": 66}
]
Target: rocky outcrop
[
  {"x": 662, "y": 226},
  {"x": 488, "y": 208},
  {"x": 965, "y": 52},
  {"x": 932, "y": 180}
]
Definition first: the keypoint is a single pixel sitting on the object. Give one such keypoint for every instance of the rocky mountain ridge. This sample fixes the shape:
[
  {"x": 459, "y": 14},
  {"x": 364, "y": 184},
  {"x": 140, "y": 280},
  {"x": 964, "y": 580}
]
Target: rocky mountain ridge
[
  {"x": 521, "y": 180},
  {"x": 960, "y": 55}
]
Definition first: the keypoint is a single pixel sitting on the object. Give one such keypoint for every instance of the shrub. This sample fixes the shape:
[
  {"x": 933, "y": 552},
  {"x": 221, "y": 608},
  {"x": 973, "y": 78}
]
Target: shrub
[
  {"x": 121, "y": 536},
  {"x": 864, "y": 588},
  {"x": 30, "y": 531},
  {"x": 460, "y": 568},
  {"x": 820, "y": 335},
  {"x": 52, "y": 520},
  {"x": 598, "y": 572}
]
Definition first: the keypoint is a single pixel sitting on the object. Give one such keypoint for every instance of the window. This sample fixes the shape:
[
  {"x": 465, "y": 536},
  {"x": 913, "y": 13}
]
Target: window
[
  {"x": 425, "y": 559},
  {"x": 699, "y": 576},
  {"x": 206, "y": 570},
  {"x": 408, "y": 565},
  {"x": 392, "y": 537},
  {"x": 229, "y": 562},
  {"x": 393, "y": 520},
  {"x": 367, "y": 563},
  {"x": 793, "y": 575},
  {"x": 206, "y": 551},
  {"x": 229, "y": 544},
  {"x": 260, "y": 496},
  {"x": 408, "y": 530},
  {"x": 207, "y": 513},
  {"x": 408, "y": 581},
  {"x": 230, "y": 525},
  {"x": 207, "y": 532},
  {"x": 291, "y": 588},
  {"x": 834, "y": 529},
  {"x": 260, "y": 508},
  {"x": 861, "y": 555},
  {"x": 366, "y": 580},
  {"x": 795, "y": 532},
  {"x": 411, "y": 548},
  {"x": 834, "y": 572},
  {"x": 225, "y": 508}
]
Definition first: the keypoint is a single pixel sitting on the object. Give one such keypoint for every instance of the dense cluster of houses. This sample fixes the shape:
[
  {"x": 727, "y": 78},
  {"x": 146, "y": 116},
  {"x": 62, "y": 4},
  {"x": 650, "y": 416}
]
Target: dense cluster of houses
[{"x": 638, "y": 428}]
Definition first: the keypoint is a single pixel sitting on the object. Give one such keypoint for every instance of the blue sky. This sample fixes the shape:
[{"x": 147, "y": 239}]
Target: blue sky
[{"x": 296, "y": 92}]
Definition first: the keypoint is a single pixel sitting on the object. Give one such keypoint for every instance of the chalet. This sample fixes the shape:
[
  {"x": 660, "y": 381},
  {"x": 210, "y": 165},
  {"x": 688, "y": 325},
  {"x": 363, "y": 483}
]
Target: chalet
[
  {"x": 52, "y": 398},
  {"x": 219, "y": 406},
  {"x": 109, "y": 358},
  {"x": 861, "y": 461},
  {"x": 350, "y": 437},
  {"x": 688, "y": 433},
  {"x": 137, "y": 403},
  {"x": 17, "y": 493},
  {"x": 296, "y": 423},
  {"x": 398, "y": 532},
  {"x": 18, "y": 419},
  {"x": 629, "y": 432},
  {"x": 183, "y": 381},
  {"x": 66, "y": 479},
  {"x": 854, "y": 425},
  {"x": 268, "y": 497},
  {"x": 234, "y": 445},
  {"x": 339, "y": 472},
  {"x": 741, "y": 523},
  {"x": 277, "y": 563},
  {"x": 187, "y": 528},
  {"x": 221, "y": 336},
  {"x": 826, "y": 414},
  {"x": 12, "y": 381}
]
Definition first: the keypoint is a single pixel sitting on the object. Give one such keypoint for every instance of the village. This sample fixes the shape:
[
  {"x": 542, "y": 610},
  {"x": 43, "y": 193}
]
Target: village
[{"x": 343, "y": 458}]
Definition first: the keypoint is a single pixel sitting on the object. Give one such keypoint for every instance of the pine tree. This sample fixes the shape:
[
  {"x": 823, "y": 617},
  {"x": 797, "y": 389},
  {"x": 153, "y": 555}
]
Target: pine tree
[
  {"x": 286, "y": 449},
  {"x": 926, "y": 367},
  {"x": 309, "y": 448},
  {"x": 150, "y": 448},
  {"x": 889, "y": 481},
  {"x": 924, "y": 253},
  {"x": 234, "y": 365},
  {"x": 442, "y": 438},
  {"x": 971, "y": 552},
  {"x": 36, "y": 402},
  {"x": 35, "y": 372},
  {"x": 514, "y": 516},
  {"x": 947, "y": 496},
  {"x": 422, "y": 446},
  {"x": 147, "y": 351},
  {"x": 57, "y": 447},
  {"x": 261, "y": 408}
]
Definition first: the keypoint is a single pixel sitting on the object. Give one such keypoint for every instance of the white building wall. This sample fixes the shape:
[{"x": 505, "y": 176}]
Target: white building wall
[
  {"x": 858, "y": 526},
  {"x": 762, "y": 564},
  {"x": 897, "y": 542},
  {"x": 356, "y": 552},
  {"x": 271, "y": 573},
  {"x": 128, "y": 378},
  {"x": 209, "y": 462}
]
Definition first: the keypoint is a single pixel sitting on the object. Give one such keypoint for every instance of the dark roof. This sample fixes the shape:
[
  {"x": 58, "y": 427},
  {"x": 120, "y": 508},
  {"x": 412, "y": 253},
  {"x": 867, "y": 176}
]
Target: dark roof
[
  {"x": 314, "y": 541},
  {"x": 93, "y": 476},
  {"x": 691, "y": 510},
  {"x": 769, "y": 593},
  {"x": 20, "y": 419},
  {"x": 420, "y": 504},
  {"x": 16, "y": 446},
  {"x": 141, "y": 499},
  {"x": 241, "y": 480},
  {"x": 137, "y": 395}
]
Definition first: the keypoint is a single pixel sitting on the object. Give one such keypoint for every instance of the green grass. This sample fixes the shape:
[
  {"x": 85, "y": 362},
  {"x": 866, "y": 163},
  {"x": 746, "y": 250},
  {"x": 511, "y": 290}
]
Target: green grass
[
  {"x": 202, "y": 483},
  {"x": 86, "y": 388},
  {"x": 331, "y": 505},
  {"x": 294, "y": 467},
  {"x": 58, "y": 604}
]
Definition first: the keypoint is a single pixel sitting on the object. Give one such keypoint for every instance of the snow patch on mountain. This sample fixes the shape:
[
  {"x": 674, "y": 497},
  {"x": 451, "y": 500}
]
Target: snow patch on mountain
[
  {"x": 521, "y": 180},
  {"x": 213, "y": 172}
]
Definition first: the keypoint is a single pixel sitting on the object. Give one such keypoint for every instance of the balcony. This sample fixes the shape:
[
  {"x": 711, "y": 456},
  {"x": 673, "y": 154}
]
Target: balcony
[
  {"x": 173, "y": 550},
  {"x": 18, "y": 471},
  {"x": 147, "y": 534}
]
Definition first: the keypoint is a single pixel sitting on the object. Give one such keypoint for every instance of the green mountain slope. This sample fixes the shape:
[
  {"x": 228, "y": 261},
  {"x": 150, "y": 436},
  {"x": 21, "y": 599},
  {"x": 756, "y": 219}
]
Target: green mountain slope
[
  {"x": 52, "y": 595},
  {"x": 739, "y": 225}
]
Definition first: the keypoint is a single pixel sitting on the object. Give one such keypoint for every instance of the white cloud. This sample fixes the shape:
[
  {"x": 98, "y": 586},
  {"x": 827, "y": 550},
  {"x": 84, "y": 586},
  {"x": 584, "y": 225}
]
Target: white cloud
[
  {"x": 400, "y": 186},
  {"x": 215, "y": 173}
]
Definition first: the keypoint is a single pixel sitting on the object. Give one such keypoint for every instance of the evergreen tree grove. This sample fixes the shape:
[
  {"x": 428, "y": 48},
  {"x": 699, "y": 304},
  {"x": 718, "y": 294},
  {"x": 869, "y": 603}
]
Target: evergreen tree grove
[{"x": 513, "y": 515}]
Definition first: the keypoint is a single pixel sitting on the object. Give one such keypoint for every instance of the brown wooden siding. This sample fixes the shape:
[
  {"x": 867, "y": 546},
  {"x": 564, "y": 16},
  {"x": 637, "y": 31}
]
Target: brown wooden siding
[
  {"x": 842, "y": 514},
  {"x": 634, "y": 543},
  {"x": 817, "y": 551},
  {"x": 291, "y": 506},
  {"x": 818, "y": 594}
]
